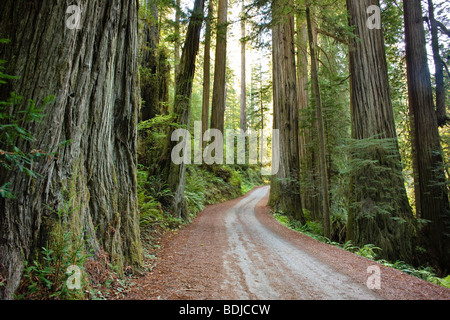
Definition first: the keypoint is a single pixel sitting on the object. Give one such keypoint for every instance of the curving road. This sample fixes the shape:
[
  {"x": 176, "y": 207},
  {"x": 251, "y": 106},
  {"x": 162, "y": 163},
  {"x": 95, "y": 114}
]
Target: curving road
[
  {"x": 237, "y": 250},
  {"x": 261, "y": 264}
]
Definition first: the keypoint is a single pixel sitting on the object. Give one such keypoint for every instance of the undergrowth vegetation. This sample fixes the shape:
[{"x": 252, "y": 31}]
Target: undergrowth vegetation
[{"x": 68, "y": 268}]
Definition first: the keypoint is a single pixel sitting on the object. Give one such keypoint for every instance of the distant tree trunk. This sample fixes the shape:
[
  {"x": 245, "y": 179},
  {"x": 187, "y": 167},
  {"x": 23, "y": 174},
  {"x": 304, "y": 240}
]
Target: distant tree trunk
[
  {"x": 207, "y": 71},
  {"x": 379, "y": 184},
  {"x": 243, "y": 114},
  {"x": 439, "y": 68},
  {"x": 302, "y": 79},
  {"x": 177, "y": 42},
  {"x": 285, "y": 186},
  {"x": 175, "y": 174},
  {"x": 163, "y": 81},
  {"x": 149, "y": 63},
  {"x": 308, "y": 126},
  {"x": 92, "y": 73},
  {"x": 218, "y": 99},
  {"x": 320, "y": 130},
  {"x": 433, "y": 193},
  {"x": 261, "y": 110}
]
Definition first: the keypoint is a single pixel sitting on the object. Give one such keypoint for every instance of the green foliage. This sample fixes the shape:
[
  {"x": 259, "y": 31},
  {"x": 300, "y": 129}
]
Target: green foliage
[
  {"x": 13, "y": 133},
  {"x": 210, "y": 184},
  {"x": 425, "y": 272},
  {"x": 4, "y": 76},
  {"x": 250, "y": 178},
  {"x": 152, "y": 194},
  {"x": 368, "y": 251},
  {"x": 46, "y": 276},
  {"x": 338, "y": 222},
  {"x": 153, "y": 138},
  {"x": 158, "y": 122},
  {"x": 312, "y": 228},
  {"x": 371, "y": 168}
]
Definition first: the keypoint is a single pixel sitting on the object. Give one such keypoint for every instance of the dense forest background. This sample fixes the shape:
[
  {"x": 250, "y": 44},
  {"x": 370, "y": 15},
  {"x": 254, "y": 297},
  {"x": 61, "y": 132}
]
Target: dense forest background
[{"x": 358, "y": 91}]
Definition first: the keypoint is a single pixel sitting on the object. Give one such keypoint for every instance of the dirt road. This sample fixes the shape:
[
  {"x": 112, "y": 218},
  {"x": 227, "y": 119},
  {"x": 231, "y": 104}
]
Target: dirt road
[{"x": 237, "y": 250}]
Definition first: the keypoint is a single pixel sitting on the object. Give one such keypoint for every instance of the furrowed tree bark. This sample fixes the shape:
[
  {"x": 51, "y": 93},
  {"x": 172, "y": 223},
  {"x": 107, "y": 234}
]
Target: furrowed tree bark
[
  {"x": 320, "y": 130},
  {"x": 433, "y": 193},
  {"x": 308, "y": 127},
  {"x": 302, "y": 80},
  {"x": 175, "y": 174},
  {"x": 218, "y": 98},
  {"x": 285, "y": 187},
  {"x": 92, "y": 73},
  {"x": 380, "y": 184}
]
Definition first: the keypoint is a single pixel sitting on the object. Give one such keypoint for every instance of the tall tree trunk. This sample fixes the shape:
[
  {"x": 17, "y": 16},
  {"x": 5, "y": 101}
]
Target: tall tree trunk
[
  {"x": 261, "y": 110},
  {"x": 285, "y": 187},
  {"x": 149, "y": 63},
  {"x": 177, "y": 43},
  {"x": 163, "y": 81},
  {"x": 243, "y": 113},
  {"x": 207, "y": 71},
  {"x": 302, "y": 79},
  {"x": 320, "y": 130},
  {"x": 308, "y": 126},
  {"x": 439, "y": 68},
  {"x": 175, "y": 174},
  {"x": 92, "y": 73},
  {"x": 218, "y": 99},
  {"x": 433, "y": 193},
  {"x": 381, "y": 214}
]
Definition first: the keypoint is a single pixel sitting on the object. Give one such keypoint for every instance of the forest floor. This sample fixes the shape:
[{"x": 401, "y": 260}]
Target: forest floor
[{"x": 236, "y": 250}]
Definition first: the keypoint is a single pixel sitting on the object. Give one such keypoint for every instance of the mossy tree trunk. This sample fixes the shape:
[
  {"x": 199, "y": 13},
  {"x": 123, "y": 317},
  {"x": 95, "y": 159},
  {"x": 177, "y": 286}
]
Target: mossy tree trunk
[
  {"x": 175, "y": 174},
  {"x": 285, "y": 185},
  {"x": 92, "y": 72},
  {"x": 325, "y": 195},
  {"x": 432, "y": 193},
  {"x": 308, "y": 127},
  {"x": 380, "y": 212}
]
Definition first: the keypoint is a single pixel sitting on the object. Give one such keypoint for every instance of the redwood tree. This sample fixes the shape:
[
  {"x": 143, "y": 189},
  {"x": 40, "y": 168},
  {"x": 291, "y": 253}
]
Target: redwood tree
[
  {"x": 285, "y": 187},
  {"x": 320, "y": 129},
  {"x": 207, "y": 70},
  {"x": 308, "y": 127},
  {"x": 175, "y": 174},
  {"x": 92, "y": 72},
  {"x": 219, "y": 87},
  {"x": 433, "y": 204},
  {"x": 149, "y": 62},
  {"x": 441, "y": 114},
  {"x": 380, "y": 213}
]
